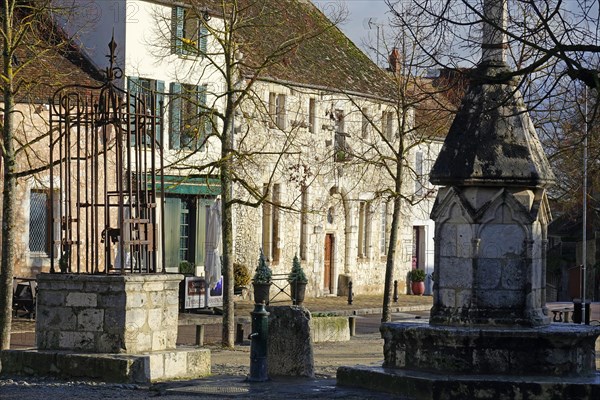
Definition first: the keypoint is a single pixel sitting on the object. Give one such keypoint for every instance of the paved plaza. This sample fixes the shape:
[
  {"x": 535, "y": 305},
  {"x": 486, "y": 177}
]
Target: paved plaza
[{"x": 230, "y": 367}]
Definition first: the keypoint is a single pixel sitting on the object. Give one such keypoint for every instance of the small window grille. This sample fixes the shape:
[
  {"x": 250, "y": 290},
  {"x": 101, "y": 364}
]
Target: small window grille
[{"x": 39, "y": 235}]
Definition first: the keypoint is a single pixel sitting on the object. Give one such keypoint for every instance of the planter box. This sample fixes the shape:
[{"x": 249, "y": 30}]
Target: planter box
[{"x": 329, "y": 329}]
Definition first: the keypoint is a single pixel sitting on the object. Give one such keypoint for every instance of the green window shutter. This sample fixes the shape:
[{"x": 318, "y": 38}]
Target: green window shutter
[
  {"x": 171, "y": 226},
  {"x": 134, "y": 89},
  {"x": 177, "y": 16},
  {"x": 175, "y": 116},
  {"x": 204, "y": 112},
  {"x": 160, "y": 96},
  {"x": 203, "y": 40}
]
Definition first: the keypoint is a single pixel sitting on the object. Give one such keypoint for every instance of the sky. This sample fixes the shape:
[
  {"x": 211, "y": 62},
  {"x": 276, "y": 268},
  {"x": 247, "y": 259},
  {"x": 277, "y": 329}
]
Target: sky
[{"x": 360, "y": 13}]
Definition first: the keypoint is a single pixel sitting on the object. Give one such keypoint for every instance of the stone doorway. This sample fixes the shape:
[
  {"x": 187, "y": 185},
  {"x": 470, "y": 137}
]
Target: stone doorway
[{"x": 328, "y": 263}]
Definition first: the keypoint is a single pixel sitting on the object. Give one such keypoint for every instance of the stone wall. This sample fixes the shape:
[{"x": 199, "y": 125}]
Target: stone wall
[
  {"x": 290, "y": 350},
  {"x": 107, "y": 313},
  {"x": 335, "y": 192}
]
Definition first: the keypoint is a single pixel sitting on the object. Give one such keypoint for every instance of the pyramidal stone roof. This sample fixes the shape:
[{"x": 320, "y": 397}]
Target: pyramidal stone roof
[{"x": 492, "y": 140}]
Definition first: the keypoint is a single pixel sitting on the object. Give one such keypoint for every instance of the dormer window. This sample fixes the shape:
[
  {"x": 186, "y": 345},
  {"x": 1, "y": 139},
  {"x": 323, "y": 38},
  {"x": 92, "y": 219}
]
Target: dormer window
[{"x": 189, "y": 33}]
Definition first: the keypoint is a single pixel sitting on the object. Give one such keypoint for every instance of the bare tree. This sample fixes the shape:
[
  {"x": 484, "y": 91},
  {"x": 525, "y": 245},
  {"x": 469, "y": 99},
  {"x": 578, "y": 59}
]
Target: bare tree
[
  {"x": 251, "y": 42},
  {"x": 420, "y": 111},
  {"x": 554, "y": 52},
  {"x": 31, "y": 46}
]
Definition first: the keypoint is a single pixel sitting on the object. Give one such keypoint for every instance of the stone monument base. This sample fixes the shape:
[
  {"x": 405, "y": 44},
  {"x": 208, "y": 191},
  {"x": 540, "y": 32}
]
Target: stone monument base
[
  {"x": 421, "y": 385},
  {"x": 552, "y": 350},
  {"x": 434, "y": 362},
  {"x": 181, "y": 363}
]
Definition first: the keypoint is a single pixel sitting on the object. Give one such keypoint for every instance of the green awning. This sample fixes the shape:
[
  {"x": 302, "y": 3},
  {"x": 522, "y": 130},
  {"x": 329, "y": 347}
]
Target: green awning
[{"x": 184, "y": 185}]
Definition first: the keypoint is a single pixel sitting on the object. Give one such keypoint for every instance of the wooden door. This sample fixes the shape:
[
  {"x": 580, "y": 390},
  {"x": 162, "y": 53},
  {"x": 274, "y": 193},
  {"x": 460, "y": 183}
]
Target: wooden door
[{"x": 328, "y": 264}]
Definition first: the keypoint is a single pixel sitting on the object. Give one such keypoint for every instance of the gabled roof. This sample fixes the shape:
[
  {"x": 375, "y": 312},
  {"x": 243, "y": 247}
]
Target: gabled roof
[
  {"x": 317, "y": 54},
  {"x": 492, "y": 140},
  {"x": 45, "y": 60},
  {"x": 326, "y": 58}
]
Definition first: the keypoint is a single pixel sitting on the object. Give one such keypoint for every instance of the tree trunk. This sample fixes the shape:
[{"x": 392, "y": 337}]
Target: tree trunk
[
  {"x": 8, "y": 193},
  {"x": 386, "y": 315},
  {"x": 228, "y": 333}
]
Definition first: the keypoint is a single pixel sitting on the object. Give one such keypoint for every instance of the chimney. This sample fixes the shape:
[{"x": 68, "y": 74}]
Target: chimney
[{"x": 395, "y": 61}]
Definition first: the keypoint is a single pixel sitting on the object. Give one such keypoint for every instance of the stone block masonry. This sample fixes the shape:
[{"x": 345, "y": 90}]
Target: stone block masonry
[
  {"x": 116, "y": 328},
  {"x": 127, "y": 314}
]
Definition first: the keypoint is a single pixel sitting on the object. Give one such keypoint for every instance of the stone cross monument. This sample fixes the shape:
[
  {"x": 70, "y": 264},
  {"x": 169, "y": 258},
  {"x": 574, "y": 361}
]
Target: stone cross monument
[
  {"x": 492, "y": 212},
  {"x": 489, "y": 334}
]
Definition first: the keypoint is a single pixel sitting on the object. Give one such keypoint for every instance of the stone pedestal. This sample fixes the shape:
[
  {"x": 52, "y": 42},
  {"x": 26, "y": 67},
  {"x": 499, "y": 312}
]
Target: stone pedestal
[
  {"x": 116, "y": 328},
  {"x": 490, "y": 257},
  {"x": 107, "y": 313},
  {"x": 290, "y": 349}
]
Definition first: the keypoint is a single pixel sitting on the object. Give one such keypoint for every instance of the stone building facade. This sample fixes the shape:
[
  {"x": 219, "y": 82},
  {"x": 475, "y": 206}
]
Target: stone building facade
[{"x": 318, "y": 123}]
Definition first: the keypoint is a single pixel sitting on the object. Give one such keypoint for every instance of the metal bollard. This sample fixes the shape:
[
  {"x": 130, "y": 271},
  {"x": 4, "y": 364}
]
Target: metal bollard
[
  {"x": 579, "y": 308},
  {"x": 395, "y": 291},
  {"x": 258, "y": 346},
  {"x": 350, "y": 294}
]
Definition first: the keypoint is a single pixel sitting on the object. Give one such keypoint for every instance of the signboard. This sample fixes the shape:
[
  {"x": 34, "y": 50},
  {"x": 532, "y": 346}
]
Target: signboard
[
  {"x": 195, "y": 293},
  {"x": 214, "y": 297}
]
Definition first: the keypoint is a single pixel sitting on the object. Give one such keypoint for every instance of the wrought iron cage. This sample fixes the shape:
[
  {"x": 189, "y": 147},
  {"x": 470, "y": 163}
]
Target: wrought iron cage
[{"x": 105, "y": 150}]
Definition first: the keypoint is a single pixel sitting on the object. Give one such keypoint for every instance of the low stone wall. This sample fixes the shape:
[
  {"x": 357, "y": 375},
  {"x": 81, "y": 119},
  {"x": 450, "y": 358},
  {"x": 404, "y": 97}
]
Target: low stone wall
[
  {"x": 107, "y": 313},
  {"x": 329, "y": 329},
  {"x": 183, "y": 363}
]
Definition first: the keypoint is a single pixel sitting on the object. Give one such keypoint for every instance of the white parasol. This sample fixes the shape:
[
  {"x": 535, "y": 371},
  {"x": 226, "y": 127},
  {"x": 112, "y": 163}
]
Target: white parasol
[{"x": 212, "y": 261}]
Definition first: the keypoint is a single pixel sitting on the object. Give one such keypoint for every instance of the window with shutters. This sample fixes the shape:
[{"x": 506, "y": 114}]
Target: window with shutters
[
  {"x": 189, "y": 33},
  {"x": 340, "y": 145},
  {"x": 383, "y": 229},
  {"x": 364, "y": 229},
  {"x": 312, "y": 115},
  {"x": 185, "y": 229},
  {"x": 270, "y": 226},
  {"x": 146, "y": 95},
  {"x": 366, "y": 123},
  {"x": 277, "y": 111},
  {"x": 191, "y": 119},
  {"x": 419, "y": 179},
  {"x": 387, "y": 124}
]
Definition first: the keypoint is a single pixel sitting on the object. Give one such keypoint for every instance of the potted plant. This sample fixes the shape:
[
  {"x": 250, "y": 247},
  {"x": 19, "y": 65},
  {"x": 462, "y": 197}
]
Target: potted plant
[
  {"x": 417, "y": 279},
  {"x": 298, "y": 281},
  {"x": 186, "y": 268},
  {"x": 262, "y": 281},
  {"x": 241, "y": 278}
]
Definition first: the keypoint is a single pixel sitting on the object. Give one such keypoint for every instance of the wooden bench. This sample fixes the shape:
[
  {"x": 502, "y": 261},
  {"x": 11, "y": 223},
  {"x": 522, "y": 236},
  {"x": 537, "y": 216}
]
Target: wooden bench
[
  {"x": 562, "y": 314},
  {"x": 24, "y": 297},
  {"x": 201, "y": 323}
]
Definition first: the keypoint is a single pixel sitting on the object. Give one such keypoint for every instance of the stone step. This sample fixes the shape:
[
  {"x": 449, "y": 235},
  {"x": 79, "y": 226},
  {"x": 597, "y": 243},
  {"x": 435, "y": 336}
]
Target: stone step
[{"x": 426, "y": 385}]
